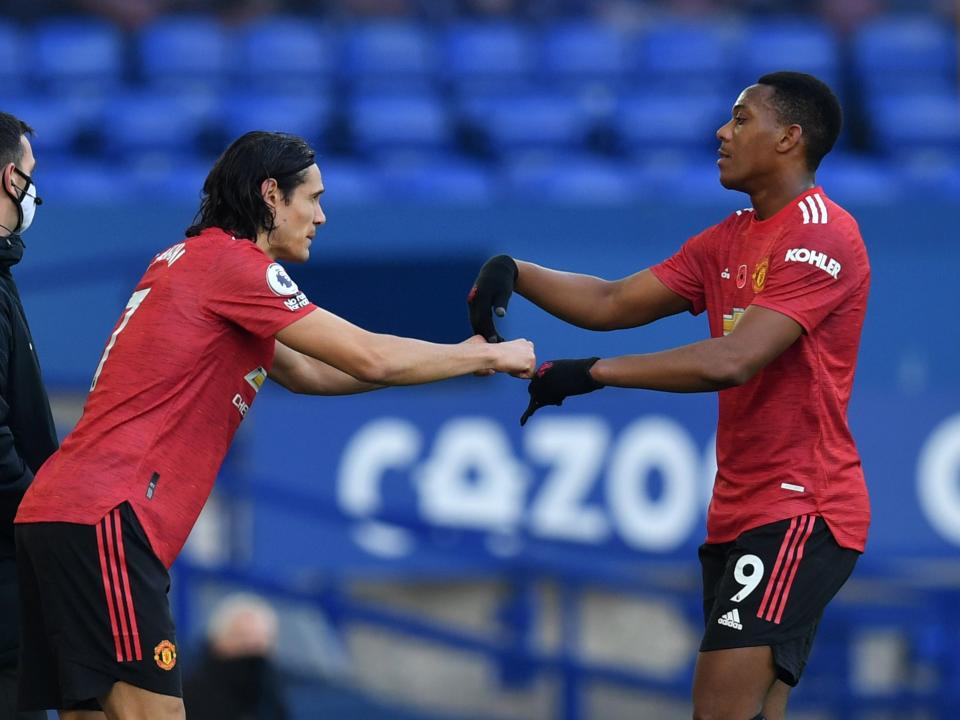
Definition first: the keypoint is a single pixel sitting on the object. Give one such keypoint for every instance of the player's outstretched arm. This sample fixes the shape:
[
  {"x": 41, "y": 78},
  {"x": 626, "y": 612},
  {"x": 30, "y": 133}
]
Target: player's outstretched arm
[
  {"x": 379, "y": 359},
  {"x": 760, "y": 336},
  {"x": 583, "y": 300},
  {"x": 303, "y": 374}
]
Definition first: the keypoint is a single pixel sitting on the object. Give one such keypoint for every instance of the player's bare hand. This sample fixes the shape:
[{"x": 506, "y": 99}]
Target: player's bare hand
[{"x": 516, "y": 357}]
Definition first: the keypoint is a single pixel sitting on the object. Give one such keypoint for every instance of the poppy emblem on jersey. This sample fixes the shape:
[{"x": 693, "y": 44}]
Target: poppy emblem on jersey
[
  {"x": 741, "y": 276},
  {"x": 760, "y": 275},
  {"x": 279, "y": 282},
  {"x": 165, "y": 655}
]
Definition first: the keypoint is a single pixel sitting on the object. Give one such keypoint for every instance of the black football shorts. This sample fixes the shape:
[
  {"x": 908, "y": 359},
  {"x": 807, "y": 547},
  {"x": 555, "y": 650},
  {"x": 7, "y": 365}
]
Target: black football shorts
[
  {"x": 770, "y": 587},
  {"x": 94, "y": 610}
]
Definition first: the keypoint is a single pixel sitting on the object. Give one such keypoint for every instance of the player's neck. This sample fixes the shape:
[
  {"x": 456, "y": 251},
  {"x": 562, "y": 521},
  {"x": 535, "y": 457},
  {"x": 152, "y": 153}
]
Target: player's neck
[
  {"x": 263, "y": 242},
  {"x": 768, "y": 200}
]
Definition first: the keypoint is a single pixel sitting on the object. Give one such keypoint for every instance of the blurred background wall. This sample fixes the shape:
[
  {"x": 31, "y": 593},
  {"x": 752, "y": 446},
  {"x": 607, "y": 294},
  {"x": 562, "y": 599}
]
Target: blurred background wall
[{"x": 427, "y": 558}]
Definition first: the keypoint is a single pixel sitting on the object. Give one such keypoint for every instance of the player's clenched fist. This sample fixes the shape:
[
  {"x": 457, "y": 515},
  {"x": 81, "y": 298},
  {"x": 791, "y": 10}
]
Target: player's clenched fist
[
  {"x": 491, "y": 293},
  {"x": 557, "y": 380},
  {"x": 516, "y": 357}
]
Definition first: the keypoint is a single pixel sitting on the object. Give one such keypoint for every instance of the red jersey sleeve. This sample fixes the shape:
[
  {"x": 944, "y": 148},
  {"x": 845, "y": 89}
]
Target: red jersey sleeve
[
  {"x": 683, "y": 272},
  {"x": 256, "y": 293},
  {"x": 813, "y": 269}
]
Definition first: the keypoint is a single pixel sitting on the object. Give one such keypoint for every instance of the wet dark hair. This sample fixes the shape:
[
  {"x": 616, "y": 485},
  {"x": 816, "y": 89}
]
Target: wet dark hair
[
  {"x": 11, "y": 130},
  {"x": 231, "y": 192},
  {"x": 804, "y": 100}
]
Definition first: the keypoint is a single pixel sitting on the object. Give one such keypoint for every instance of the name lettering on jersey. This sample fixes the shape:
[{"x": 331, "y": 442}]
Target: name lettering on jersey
[
  {"x": 295, "y": 303},
  {"x": 803, "y": 255},
  {"x": 256, "y": 378},
  {"x": 813, "y": 209},
  {"x": 731, "y": 319},
  {"x": 279, "y": 282},
  {"x": 240, "y": 404},
  {"x": 172, "y": 254},
  {"x": 760, "y": 275}
]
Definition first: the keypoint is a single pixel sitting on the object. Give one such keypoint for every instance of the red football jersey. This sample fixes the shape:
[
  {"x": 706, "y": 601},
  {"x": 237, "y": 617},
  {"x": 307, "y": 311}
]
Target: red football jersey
[
  {"x": 177, "y": 376},
  {"x": 783, "y": 444}
]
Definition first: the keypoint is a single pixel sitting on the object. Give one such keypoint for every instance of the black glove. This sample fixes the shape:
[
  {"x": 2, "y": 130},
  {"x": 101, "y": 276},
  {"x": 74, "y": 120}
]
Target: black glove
[
  {"x": 556, "y": 380},
  {"x": 491, "y": 290}
]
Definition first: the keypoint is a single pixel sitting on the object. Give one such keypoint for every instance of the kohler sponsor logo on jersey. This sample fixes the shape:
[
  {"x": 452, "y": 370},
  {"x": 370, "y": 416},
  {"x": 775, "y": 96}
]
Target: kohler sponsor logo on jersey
[{"x": 802, "y": 255}]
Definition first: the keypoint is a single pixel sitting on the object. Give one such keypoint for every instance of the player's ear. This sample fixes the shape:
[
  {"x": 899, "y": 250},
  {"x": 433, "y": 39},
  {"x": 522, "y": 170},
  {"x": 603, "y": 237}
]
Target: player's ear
[
  {"x": 790, "y": 137},
  {"x": 7, "y": 178},
  {"x": 269, "y": 191}
]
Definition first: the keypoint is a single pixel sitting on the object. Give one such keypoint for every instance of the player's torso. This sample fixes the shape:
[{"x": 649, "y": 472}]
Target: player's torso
[
  {"x": 783, "y": 445},
  {"x": 170, "y": 352},
  {"x": 172, "y": 385}
]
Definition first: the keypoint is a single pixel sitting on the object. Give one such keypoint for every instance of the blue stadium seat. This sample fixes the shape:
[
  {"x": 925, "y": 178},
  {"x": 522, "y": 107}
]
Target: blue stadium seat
[
  {"x": 653, "y": 121},
  {"x": 687, "y": 179},
  {"x": 171, "y": 177},
  {"x": 570, "y": 178},
  {"x": 185, "y": 52},
  {"x": 139, "y": 122},
  {"x": 286, "y": 53},
  {"x": 905, "y": 123},
  {"x": 481, "y": 57},
  {"x": 13, "y": 62},
  {"x": 347, "y": 182},
  {"x": 931, "y": 175},
  {"x": 576, "y": 53},
  {"x": 78, "y": 55},
  {"x": 302, "y": 114},
  {"x": 799, "y": 44},
  {"x": 386, "y": 122},
  {"x": 64, "y": 180},
  {"x": 444, "y": 180},
  {"x": 691, "y": 56},
  {"x": 390, "y": 55},
  {"x": 540, "y": 120},
  {"x": 55, "y": 124},
  {"x": 907, "y": 53},
  {"x": 860, "y": 180}
]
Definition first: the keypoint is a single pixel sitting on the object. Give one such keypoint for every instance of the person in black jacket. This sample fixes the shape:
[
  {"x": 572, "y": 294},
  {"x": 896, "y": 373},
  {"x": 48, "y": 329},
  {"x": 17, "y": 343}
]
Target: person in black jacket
[
  {"x": 27, "y": 434},
  {"x": 236, "y": 677}
]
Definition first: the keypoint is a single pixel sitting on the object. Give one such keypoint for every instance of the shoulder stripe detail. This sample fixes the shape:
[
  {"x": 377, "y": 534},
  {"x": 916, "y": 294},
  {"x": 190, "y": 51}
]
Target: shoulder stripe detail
[
  {"x": 814, "y": 210},
  {"x": 823, "y": 207}
]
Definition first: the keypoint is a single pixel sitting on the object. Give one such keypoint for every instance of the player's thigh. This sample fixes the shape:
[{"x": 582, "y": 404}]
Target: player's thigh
[
  {"x": 732, "y": 684},
  {"x": 106, "y": 617},
  {"x": 129, "y": 702}
]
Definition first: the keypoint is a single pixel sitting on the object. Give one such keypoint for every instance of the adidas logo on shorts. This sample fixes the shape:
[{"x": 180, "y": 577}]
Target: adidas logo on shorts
[{"x": 731, "y": 619}]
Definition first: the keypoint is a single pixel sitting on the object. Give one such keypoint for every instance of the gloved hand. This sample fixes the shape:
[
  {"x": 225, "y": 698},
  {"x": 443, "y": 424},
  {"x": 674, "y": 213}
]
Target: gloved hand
[
  {"x": 491, "y": 291},
  {"x": 556, "y": 380}
]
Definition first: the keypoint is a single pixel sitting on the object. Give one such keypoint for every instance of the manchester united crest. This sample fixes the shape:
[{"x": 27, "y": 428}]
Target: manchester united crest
[
  {"x": 165, "y": 655},
  {"x": 760, "y": 275}
]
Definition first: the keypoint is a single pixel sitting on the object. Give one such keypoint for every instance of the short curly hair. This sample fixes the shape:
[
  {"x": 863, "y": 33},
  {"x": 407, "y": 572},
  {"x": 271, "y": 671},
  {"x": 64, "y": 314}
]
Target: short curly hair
[{"x": 804, "y": 100}]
